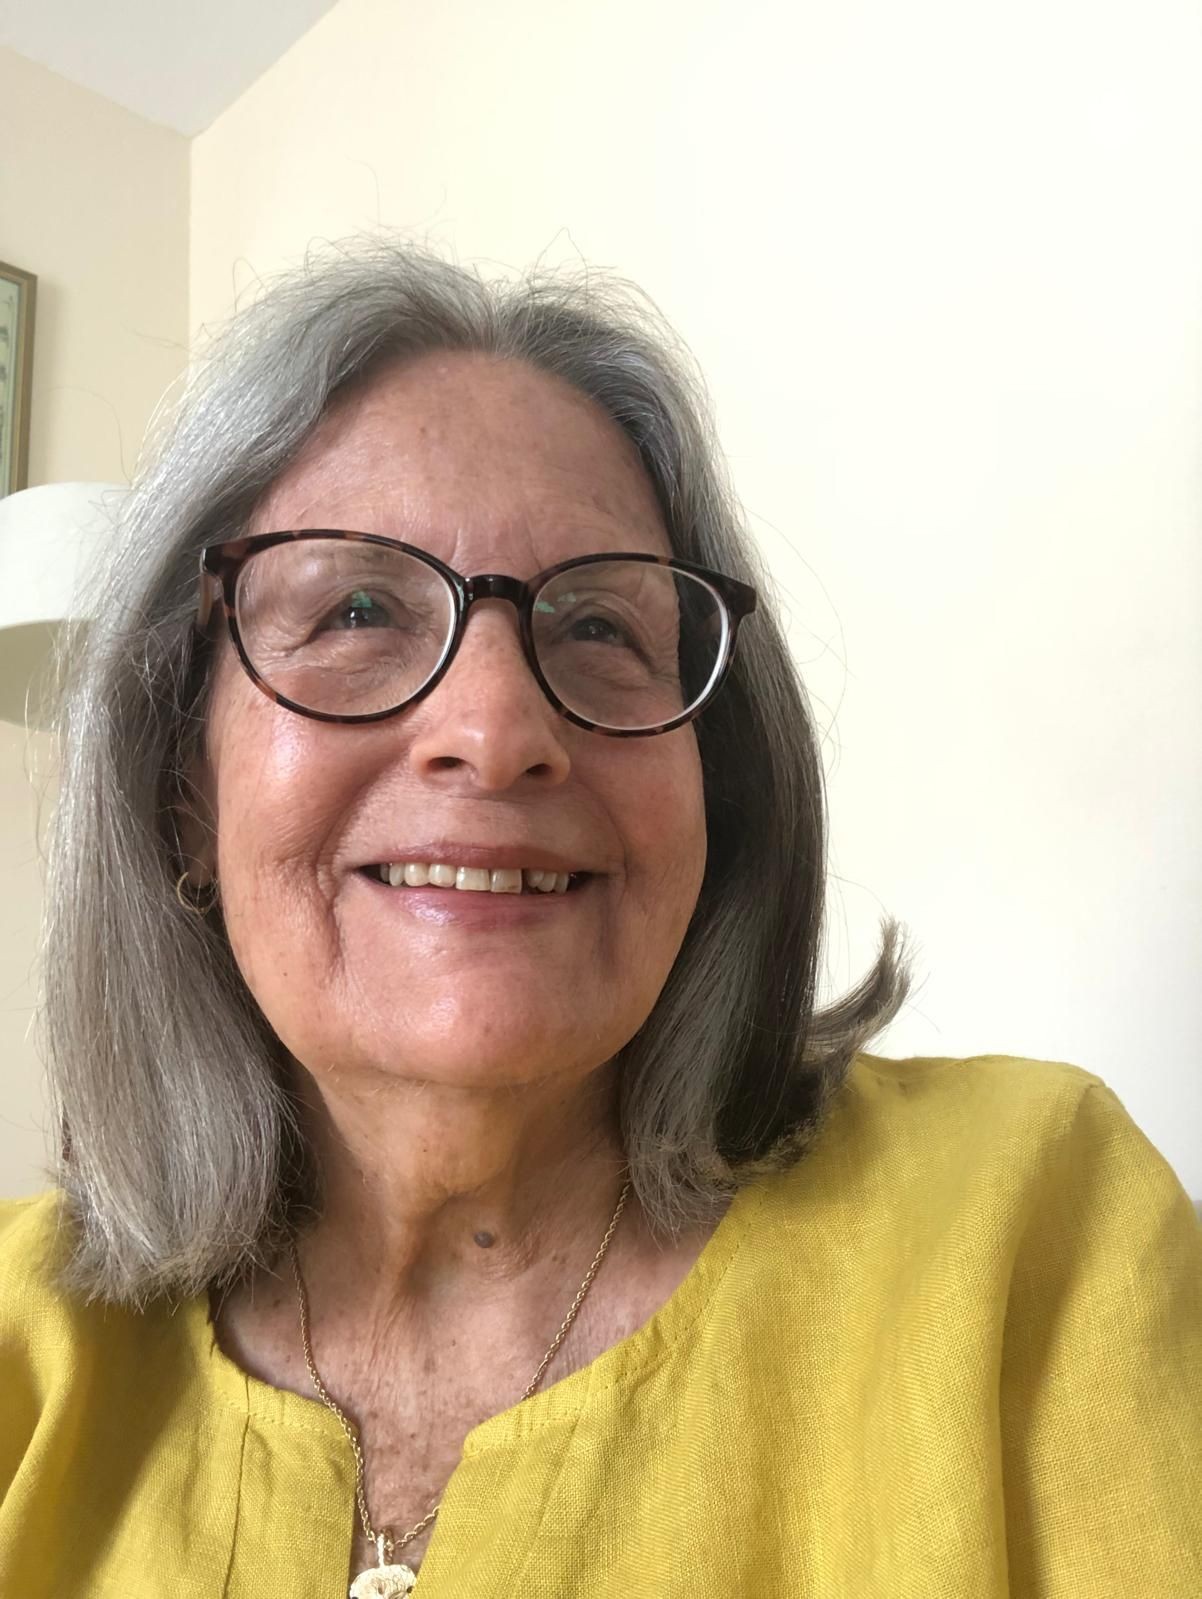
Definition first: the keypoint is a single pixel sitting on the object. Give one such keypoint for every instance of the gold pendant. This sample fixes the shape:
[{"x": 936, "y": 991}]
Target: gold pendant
[{"x": 383, "y": 1582}]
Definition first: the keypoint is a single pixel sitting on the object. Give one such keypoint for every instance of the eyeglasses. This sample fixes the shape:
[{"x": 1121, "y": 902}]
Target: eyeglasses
[{"x": 354, "y": 627}]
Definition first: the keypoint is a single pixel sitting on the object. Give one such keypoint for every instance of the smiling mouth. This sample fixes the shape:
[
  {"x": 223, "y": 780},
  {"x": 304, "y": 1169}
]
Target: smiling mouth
[{"x": 474, "y": 879}]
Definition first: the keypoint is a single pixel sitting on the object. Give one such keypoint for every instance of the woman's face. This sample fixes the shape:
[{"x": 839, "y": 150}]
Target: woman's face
[{"x": 492, "y": 467}]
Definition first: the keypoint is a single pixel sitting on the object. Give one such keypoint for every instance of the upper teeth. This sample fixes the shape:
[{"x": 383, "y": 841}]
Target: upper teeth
[{"x": 504, "y": 880}]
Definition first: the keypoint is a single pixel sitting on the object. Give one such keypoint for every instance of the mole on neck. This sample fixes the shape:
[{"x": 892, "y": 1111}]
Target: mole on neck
[{"x": 485, "y": 1240}]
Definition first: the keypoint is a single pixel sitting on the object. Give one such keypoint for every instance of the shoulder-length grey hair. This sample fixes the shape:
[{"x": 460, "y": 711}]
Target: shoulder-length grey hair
[{"x": 182, "y": 1158}]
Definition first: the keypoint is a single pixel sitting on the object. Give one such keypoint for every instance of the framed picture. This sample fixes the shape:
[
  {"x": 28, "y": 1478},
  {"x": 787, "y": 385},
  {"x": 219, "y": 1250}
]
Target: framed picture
[{"x": 18, "y": 291}]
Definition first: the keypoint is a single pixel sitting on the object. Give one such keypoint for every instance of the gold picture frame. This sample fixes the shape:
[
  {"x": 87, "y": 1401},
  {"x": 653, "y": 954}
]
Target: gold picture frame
[{"x": 18, "y": 296}]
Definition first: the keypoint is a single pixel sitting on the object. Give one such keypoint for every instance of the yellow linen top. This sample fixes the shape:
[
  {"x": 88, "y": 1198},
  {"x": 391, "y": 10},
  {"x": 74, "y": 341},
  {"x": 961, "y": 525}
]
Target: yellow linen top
[{"x": 955, "y": 1351}]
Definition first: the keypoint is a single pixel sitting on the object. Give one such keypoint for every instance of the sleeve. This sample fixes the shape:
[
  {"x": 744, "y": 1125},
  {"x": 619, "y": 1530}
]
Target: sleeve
[
  {"x": 1101, "y": 1381},
  {"x": 18, "y": 1398}
]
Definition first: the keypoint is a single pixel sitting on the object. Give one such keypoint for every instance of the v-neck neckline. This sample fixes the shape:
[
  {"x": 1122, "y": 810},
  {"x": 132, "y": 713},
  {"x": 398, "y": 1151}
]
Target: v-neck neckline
[{"x": 562, "y": 1401}]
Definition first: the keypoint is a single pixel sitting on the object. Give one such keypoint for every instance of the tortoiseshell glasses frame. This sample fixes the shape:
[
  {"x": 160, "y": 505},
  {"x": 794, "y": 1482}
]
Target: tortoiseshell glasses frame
[{"x": 221, "y": 565}]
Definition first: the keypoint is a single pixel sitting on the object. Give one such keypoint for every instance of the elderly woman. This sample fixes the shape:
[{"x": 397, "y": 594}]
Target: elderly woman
[{"x": 448, "y": 1129}]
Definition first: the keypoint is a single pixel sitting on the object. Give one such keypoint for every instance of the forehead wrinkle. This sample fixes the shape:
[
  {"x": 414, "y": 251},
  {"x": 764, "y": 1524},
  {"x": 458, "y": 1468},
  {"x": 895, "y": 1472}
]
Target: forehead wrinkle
[
  {"x": 485, "y": 542},
  {"x": 372, "y": 468}
]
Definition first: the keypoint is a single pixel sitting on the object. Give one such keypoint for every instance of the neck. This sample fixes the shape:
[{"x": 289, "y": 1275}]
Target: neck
[{"x": 439, "y": 1199}]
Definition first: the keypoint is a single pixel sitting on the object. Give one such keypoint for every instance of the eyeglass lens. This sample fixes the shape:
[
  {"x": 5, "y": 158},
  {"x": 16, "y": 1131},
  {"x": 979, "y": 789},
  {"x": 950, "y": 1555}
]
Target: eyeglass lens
[{"x": 349, "y": 628}]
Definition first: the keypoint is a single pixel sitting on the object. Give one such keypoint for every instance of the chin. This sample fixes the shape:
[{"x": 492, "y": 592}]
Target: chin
[{"x": 472, "y": 1056}]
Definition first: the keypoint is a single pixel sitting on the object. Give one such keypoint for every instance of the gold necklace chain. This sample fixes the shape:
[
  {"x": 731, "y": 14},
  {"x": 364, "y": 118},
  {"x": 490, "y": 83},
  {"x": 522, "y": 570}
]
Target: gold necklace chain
[{"x": 384, "y": 1542}]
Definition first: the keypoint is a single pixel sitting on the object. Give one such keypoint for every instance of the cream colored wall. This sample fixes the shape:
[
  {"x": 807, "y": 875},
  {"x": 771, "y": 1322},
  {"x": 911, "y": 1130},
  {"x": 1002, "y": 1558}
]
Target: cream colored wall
[
  {"x": 93, "y": 200},
  {"x": 26, "y": 794},
  {"x": 942, "y": 267}
]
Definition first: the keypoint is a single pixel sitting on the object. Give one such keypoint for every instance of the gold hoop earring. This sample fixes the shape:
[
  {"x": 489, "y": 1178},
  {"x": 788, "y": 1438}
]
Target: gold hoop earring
[{"x": 202, "y": 904}]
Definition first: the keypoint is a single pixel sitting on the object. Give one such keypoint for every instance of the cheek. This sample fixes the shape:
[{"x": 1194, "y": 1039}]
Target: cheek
[
  {"x": 269, "y": 770},
  {"x": 274, "y": 795},
  {"x": 666, "y": 828}
]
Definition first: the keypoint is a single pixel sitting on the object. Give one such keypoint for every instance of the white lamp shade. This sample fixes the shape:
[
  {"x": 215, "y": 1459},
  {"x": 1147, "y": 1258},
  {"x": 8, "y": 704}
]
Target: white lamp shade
[{"x": 50, "y": 540}]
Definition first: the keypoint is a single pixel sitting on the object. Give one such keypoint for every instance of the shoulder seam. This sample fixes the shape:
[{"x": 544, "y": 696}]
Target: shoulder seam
[{"x": 932, "y": 1064}]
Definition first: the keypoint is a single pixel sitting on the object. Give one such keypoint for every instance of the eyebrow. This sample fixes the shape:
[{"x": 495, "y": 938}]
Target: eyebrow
[{"x": 405, "y": 530}]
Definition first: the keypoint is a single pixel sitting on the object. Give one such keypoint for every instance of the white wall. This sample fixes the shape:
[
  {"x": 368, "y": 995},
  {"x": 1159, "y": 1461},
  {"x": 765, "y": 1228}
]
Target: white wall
[
  {"x": 94, "y": 201},
  {"x": 942, "y": 265}
]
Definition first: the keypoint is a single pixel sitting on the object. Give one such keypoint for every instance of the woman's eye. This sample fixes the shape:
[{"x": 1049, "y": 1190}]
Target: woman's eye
[
  {"x": 359, "y": 609},
  {"x": 598, "y": 630}
]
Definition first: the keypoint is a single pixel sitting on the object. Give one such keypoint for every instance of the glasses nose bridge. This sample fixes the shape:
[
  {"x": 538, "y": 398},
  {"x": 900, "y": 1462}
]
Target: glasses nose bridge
[
  {"x": 495, "y": 586},
  {"x": 498, "y": 586}
]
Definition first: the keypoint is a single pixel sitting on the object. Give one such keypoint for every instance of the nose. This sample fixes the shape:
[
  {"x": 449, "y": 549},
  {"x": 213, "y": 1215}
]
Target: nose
[{"x": 488, "y": 718}]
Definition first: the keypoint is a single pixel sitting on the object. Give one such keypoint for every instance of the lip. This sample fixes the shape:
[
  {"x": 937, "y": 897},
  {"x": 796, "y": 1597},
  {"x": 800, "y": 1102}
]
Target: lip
[
  {"x": 494, "y": 857},
  {"x": 449, "y": 907}
]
